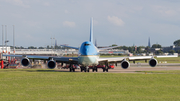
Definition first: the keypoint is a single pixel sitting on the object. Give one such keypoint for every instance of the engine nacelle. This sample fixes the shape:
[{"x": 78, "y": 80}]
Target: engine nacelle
[
  {"x": 153, "y": 62},
  {"x": 125, "y": 64},
  {"x": 51, "y": 64},
  {"x": 25, "y": 61}
]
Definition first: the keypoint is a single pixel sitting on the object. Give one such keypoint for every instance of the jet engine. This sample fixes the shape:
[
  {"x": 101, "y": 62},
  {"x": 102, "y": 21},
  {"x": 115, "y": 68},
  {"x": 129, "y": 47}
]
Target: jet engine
[
  {"x": 25, "y": 61},
  {"x": 125, "y": 64},
  {"x": 51, "y": 64},
  {"x": 153, "y": 62}
]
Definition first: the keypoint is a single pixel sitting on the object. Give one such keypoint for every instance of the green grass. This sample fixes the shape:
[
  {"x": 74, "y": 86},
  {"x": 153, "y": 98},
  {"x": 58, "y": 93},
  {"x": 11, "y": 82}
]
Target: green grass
[
  {"x": 162, "y": 72},
  {"x": 49, "y": 85}
]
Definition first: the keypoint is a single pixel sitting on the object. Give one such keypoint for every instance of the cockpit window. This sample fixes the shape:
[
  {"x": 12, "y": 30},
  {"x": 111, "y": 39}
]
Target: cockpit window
[{"x": 86, "y": 44}]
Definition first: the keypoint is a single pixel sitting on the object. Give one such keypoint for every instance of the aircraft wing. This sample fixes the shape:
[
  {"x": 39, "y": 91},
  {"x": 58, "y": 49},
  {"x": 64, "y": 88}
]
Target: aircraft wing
[
  {"x": 57, "y": 59},
  {"x": 133, "y": 58},
  {"x": 114, "y": 59},
  {"x": 70, "y": 47},
  {"x": 119, "y": 59}
]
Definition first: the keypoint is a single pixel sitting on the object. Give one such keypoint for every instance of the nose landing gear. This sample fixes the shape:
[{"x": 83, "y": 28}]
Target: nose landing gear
[
  {"x": 85, "y": 69},
  {"x": 94, "y": 69}
]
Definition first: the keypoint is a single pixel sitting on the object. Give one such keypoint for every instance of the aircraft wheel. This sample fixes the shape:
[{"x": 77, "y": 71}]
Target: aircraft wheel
[
  {"x": 96, "y": 69},
  {"x": 81, "y": 70},
  {"x": 104, "y": 70},
  {"x": 107, "y": 70},
  {"x": 93, "y": 70}
]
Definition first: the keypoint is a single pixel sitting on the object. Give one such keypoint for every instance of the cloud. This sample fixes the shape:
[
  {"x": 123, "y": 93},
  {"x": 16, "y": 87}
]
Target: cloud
[
  {"x": 115, "y": 20},
  {"x": 69, "y": 24},
  {"x": 165, "y": 11},
  {"x": 171, "y": 12},
  {"x": 95, "y": 22},
  {"x": 46, "y": 4},
  {"x": 31, "y": 23},
  {"x": 66, "y": 11},
  {"x": 18, "y": 2}
]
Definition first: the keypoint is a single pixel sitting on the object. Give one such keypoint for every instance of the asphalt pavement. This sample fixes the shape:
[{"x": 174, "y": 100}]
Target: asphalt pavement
[{"x": 137, "y": 67}]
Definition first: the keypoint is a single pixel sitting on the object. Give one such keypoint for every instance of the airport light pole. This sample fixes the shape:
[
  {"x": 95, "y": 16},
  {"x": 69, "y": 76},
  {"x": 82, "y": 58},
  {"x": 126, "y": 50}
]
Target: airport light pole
[
  {"x": 51, "y": 42},
  {"x": 54, "y": 43},
  {"x": 6, "y": 37},
  {"x": 2, "y": 38},
  {"x": 13, "y": 39}
]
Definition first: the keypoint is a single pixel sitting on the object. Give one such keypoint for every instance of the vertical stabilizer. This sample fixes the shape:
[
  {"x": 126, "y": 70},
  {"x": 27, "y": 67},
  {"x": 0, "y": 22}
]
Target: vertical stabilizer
[
  {"x": 95, "y": 42},
  {"x": 91, "y": 30}
]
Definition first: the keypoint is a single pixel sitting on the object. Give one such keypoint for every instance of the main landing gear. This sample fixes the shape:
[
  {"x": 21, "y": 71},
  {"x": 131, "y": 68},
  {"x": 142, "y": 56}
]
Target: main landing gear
[
  {"x": 94, "y": 69},
  {"x": 105, "y": 69},
  {"x": 71, "y": 69},
  {"x": 87, "y": 69}
]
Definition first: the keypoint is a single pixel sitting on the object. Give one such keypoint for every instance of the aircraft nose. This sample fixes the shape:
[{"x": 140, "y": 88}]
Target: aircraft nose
[{"x": 86, "y": 51}]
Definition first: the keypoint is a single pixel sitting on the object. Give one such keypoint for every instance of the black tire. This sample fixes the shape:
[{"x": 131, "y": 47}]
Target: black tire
[
  {"x": 107, "y": 70},
  {"x": 96, "y": 69},
  {"x": 104, "y": 70},
  {"x": 81, "y": 69},
  {"x": 93, "y": 69}
]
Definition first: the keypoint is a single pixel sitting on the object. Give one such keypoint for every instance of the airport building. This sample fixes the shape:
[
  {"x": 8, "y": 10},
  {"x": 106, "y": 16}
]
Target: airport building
[
  {"x": 5, "y": 49},
  {"x": 57, "y": 52},
  {"x": 115, "y": 51},
  {"x": 61, "y": 52},
  {"x": 167, "y": 49}
]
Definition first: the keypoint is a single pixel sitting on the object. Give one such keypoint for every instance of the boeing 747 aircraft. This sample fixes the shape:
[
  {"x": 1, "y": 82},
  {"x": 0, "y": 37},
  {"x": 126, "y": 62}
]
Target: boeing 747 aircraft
[{"x": 88, "y": 56}]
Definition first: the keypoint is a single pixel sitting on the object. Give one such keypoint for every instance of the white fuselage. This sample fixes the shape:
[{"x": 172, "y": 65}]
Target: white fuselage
[
  {"x": 88, "y": 60},
  {"x": 88, "y": 54}
]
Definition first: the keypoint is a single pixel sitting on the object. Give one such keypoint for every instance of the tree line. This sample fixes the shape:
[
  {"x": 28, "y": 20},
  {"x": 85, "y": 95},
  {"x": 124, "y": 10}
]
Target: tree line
[{"x": 131, "y": 49}]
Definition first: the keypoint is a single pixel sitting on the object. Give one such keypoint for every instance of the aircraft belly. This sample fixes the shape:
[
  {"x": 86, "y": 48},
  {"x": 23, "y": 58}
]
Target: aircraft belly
[{"x": 88, "y": 60}]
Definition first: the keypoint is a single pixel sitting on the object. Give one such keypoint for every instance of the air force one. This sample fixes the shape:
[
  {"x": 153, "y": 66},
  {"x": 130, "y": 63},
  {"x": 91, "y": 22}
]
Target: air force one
[{"x": 88, "y": 56}]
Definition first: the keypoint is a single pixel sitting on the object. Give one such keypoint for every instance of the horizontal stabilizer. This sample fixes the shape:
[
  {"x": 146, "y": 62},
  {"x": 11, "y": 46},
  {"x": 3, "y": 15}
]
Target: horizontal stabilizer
[
  {"x": 70, "y": 47},
  {"x": 100, "y": 49}
]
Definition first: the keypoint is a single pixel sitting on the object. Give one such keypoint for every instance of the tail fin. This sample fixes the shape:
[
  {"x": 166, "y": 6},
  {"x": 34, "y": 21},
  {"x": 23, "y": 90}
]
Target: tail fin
[
  {"x": 91, "y": 30},
  {"x": 96, "y": 43}
]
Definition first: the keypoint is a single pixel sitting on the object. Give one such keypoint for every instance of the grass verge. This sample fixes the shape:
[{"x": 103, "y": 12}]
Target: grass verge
[{"x": 48, "y": 85}]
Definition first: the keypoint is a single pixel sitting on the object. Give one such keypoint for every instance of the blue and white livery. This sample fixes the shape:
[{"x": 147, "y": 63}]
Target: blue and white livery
[{"x": 88, "y": 56}]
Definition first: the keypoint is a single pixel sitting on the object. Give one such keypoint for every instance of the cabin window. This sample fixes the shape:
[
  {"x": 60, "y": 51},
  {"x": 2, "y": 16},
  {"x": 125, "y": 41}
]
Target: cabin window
[{"x": 86, "y": 44}]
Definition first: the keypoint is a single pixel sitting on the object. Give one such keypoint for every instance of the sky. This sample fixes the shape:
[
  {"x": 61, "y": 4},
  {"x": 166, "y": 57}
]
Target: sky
[{"x": 121, "y": 22}]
